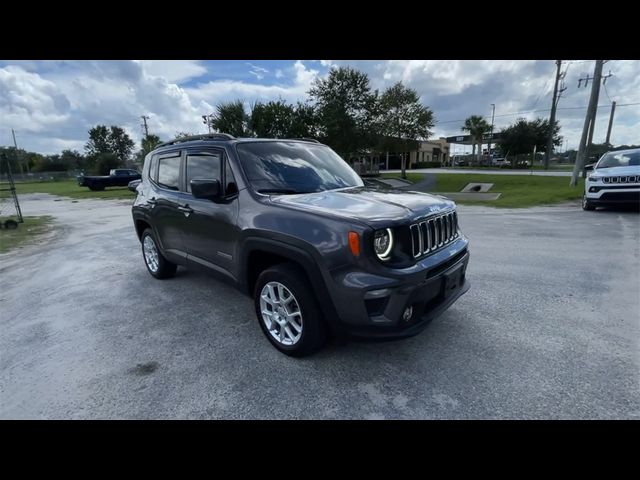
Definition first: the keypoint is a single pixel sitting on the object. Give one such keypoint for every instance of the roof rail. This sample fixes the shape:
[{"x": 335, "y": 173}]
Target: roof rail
[
  {"x": 305, "y": 139},
  {"x": 207, "y": 136}
]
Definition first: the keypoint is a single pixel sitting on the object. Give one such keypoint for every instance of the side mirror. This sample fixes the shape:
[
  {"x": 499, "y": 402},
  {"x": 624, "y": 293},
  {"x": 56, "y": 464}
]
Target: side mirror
[
  {"x": 207, "y": 189},
  {"x": 589, "y": 167},
  {"x": 133, "y": 185}
]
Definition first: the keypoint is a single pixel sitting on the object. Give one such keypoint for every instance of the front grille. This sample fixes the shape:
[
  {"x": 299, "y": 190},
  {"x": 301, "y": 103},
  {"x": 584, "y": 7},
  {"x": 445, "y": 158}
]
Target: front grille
[
  {"x": 620, "y": 197},
  {"x": 622, "y": 179},
  {"x": 433, "y": 233}
]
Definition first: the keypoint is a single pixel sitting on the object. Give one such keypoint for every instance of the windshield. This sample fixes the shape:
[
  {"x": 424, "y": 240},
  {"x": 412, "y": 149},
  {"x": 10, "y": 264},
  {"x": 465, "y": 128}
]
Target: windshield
[
  {"x": 294, "y": 167},
  {"x": 620, "y": 159}
]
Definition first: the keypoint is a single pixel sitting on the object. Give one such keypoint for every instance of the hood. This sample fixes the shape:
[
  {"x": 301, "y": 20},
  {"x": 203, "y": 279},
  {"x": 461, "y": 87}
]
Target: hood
[
  {"x": 376, "y": 207},
  {"x": 618, "y": 171}
]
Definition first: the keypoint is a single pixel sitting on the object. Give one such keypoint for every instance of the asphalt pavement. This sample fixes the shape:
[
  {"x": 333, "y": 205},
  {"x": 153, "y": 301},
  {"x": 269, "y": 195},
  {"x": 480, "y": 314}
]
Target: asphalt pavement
[{"x": 550, "y": 329}]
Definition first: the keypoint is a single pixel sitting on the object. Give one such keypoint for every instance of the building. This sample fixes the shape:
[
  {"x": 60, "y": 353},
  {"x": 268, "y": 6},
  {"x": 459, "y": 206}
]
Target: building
[
  {"x": 431, "y": 151},
  {"x": 428, "y": 151}
]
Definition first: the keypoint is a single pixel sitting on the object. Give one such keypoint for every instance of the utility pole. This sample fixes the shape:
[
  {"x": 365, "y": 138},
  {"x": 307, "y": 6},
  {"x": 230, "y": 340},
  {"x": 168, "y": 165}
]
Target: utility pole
[
  {"x": 613, "y": 110},
  {"x": 146, "y": 128},
  {"x": 493, "y": 114},
  {"x": 589, "y": 120},
  {"x": 552, "y": 119}
]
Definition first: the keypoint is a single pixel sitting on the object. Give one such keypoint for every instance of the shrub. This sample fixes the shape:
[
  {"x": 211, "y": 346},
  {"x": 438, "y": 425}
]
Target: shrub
[{"x": 427, "y": 165}]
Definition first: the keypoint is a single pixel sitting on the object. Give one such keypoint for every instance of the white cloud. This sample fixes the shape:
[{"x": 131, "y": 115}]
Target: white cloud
[
  {"x": 175, "y": 71},
  {"x": 214, "y": 92},
  {"x": 52, "y": 104}
]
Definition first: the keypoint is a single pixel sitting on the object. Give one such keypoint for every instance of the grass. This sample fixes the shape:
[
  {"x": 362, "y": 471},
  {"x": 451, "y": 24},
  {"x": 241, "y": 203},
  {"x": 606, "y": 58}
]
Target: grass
[
  {"x": 518, "y": 191},
  {"x": 25, "y": 234},
  {"x": 70, "y": 188}
]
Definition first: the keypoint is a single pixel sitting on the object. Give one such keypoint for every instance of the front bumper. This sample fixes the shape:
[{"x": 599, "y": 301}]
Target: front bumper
[
  {"x": 599, "y": 194},
  {"x": 375, "y": 310}
]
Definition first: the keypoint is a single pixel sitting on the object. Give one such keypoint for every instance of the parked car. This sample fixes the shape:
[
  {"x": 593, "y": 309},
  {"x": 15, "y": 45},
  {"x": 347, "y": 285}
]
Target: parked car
[
  {"x": 119, "y": 177},
  {"x": 614, "y": 180},
  {"x": 292, "y": 225},
  {"x": 500, "y": 162}
]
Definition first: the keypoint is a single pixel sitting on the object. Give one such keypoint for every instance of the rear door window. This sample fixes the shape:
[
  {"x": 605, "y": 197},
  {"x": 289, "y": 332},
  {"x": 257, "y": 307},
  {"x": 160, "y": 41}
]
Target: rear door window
[{"x": 169, "y": 173}]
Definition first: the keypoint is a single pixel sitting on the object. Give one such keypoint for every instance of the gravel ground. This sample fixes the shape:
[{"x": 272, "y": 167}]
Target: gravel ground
[{"x": 549, "y": 329}]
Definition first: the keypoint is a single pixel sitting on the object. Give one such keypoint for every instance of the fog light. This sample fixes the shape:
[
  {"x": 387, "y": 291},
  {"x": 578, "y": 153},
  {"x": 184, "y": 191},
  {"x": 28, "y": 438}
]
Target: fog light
[{"x": 406, "y": 315}]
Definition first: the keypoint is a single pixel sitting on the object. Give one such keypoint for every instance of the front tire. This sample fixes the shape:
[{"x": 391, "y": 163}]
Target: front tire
[
  {"x": 157, "y": 265},
  {"x": 586, "y": 204},
  {"x": 288, "y": 312}
]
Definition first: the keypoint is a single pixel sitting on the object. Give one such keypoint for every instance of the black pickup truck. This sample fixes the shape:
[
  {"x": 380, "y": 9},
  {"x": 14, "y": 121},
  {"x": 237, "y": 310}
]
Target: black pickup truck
[{"x": 118, "y": 177}]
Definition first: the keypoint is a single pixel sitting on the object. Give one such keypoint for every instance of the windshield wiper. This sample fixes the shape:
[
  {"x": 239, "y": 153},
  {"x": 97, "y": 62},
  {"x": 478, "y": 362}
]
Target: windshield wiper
[{"x": 280, "y": 190}]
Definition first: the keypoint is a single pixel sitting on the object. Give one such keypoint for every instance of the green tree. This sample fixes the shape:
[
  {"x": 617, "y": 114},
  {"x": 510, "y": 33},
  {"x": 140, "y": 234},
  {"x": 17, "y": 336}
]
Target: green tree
[
  {"x": 98, "y": 140},
  {"x": 12, "y": 158},
  {"x": 345, "y": 107},
  {"x": 402, "y": 121},
  {"x": 147, "y": 144},
  {"x": 277, "y": 119},
  {"x": 523, "y": 136},
  {"x": 73, "y": 159},
  {"x": 106, "y": 161},
  {"x": 477, "y": 127},
  {"x": 109, "y": 140},
  {"x": 121, "y": 144},
  {"x": 273, "y": 119},
  {"x": 305, "y": 122},
  {"x": 231, "y": 118}
]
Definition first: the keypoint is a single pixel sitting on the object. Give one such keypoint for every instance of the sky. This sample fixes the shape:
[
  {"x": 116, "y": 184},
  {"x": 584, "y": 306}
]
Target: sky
[{"x": 52, "y": 104}]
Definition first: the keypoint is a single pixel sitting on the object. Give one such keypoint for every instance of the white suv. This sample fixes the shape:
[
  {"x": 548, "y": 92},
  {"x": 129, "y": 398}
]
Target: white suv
[{"x": 614, "y": 180}]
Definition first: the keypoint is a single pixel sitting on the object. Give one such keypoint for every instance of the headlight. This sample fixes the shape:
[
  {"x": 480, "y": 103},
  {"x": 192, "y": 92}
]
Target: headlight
[
  {"x": 383, "y": 243},
  {"x": 593, "y": 178}
]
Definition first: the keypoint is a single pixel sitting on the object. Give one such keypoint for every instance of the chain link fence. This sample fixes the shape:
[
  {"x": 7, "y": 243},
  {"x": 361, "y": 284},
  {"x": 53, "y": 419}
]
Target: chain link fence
[{"x": 41, "y": 176}]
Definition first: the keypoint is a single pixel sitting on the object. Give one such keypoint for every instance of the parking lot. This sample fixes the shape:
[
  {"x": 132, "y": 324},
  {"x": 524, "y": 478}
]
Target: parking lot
[{"x": 549, "y": 329}]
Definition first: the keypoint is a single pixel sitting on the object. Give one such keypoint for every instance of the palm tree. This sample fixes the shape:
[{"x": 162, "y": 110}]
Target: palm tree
[{"x": 477, "y": 128}]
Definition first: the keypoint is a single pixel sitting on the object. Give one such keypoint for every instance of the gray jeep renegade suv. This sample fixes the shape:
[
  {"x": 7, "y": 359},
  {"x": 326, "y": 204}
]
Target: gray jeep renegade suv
[{"x": 291, "y": 224}]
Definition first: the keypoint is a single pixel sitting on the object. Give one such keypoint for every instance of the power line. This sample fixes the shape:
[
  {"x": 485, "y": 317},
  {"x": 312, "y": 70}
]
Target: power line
[{"x": 543, "y": 110}]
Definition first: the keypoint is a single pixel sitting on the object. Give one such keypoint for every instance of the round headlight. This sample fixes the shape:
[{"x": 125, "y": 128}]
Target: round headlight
[{"x": 383, "y": 243}]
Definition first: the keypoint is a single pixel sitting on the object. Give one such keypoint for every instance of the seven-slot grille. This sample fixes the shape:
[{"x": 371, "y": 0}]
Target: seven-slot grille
[
  {"x": 622, "y": 179},
  {"x": 433, "y": 233}
]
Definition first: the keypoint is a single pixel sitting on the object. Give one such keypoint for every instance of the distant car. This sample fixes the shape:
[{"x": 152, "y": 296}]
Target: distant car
[
  {"x": 500, "y": 162},
  {"x": 118, "y": 177},
  {"x": 614, "y": 180}
]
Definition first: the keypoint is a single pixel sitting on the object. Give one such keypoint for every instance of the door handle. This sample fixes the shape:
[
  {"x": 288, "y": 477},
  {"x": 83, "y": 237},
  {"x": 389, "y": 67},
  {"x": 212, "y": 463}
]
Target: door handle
[{"x": 185, "y": 209}]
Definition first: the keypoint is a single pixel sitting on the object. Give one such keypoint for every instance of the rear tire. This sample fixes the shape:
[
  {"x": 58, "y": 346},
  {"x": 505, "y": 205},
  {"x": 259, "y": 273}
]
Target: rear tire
[
  {"x": 157, "y": 265},
  {"x": 587, "y": 205},
  {"x": 295, "y": 325}
]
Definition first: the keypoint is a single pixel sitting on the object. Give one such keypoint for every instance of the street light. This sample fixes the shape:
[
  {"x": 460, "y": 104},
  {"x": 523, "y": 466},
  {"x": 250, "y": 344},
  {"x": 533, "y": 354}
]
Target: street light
[{"x": 205, "y": 120}]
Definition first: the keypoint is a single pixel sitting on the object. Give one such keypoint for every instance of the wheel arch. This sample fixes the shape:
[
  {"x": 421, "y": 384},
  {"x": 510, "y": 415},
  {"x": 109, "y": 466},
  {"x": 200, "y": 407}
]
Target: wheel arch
[{"x": 261, "y": 253}]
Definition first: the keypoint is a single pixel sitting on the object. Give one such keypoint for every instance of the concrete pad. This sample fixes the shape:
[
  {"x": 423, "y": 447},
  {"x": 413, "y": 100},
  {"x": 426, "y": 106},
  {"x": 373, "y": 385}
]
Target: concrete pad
[
  {"x": 477, "y": 187},
  {"x": 471, "y": 196}
]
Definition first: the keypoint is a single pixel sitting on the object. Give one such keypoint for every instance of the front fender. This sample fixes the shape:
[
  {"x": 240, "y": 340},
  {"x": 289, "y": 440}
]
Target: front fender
[{"x": 296, "y": 251}]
